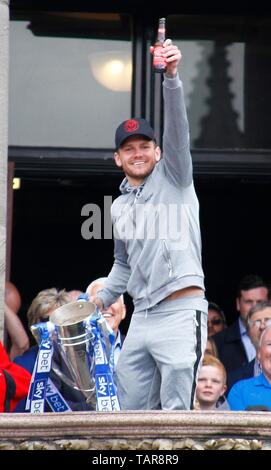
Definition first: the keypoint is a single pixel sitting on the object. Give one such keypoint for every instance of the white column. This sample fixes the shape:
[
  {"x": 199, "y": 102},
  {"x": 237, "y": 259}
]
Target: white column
[{"x": 4, "y": 29}]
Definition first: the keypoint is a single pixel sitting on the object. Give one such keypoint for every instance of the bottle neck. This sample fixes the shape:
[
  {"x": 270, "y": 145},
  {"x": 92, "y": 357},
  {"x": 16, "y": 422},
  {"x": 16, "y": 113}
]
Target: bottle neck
[
  {"x": 161, "y": 38},
  {"x": 161, "y": 34}
]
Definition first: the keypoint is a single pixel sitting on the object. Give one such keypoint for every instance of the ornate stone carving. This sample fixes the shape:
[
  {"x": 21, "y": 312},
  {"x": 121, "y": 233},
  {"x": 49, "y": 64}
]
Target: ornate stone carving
[{"x": 121, "y": 444}]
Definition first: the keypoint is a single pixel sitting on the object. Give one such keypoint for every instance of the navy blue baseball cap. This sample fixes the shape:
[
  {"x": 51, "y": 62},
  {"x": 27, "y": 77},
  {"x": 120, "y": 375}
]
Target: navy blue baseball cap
[{"x": 131, "y": 127}]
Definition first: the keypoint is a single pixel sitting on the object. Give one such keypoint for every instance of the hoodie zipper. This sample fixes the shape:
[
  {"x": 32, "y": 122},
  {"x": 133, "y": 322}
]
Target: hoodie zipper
[{"x": 137, "y": 194}]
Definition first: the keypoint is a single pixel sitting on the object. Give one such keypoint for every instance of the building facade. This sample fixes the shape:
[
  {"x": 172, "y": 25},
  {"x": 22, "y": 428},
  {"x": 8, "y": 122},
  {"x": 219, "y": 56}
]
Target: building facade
[{"x": 75, "y": 73}]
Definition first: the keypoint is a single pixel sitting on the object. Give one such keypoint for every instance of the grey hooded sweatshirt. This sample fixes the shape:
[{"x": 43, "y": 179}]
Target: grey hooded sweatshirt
[{"x": 156, "y": 225}]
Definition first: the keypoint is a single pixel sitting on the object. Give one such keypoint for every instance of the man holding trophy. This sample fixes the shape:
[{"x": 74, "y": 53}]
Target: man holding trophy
[
  {"x": 158, "y": 257},
  {"x": 157, "y": 261}
]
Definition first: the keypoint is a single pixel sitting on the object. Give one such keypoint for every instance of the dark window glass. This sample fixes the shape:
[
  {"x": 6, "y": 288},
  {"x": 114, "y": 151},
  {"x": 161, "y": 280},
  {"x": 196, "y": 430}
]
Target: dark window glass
[{"x": 227, "y": 74}]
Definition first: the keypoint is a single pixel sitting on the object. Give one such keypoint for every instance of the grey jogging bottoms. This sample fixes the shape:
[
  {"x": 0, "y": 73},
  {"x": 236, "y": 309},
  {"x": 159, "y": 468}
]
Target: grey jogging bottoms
[{"x": 159, "y": 362}]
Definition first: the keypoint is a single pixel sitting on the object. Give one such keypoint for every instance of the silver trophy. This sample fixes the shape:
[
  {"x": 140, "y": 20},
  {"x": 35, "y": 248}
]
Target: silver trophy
[
  {"x": 70, "y": 329},
  {"x": 73, "y": 340}
]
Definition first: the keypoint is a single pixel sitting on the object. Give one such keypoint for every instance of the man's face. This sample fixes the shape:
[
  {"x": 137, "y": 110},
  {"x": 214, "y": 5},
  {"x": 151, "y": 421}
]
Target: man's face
[
  {"x": 257, "y": 323},
  {"x": 264, "y": 354},
  {"x": 137, "y": 157},
  {"x": 249, "y": 298},
  {"x": 113, "y": 314}
]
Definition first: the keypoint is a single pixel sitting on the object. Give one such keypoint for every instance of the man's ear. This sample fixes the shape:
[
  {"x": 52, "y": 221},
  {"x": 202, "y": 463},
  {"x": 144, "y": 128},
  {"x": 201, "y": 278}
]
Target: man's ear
[
  {"x": 157, "y": 153},
  {"x": 123, "y": 312},
  {"x": 117, "y": 159},
  {"x": 237, "y": 304}
]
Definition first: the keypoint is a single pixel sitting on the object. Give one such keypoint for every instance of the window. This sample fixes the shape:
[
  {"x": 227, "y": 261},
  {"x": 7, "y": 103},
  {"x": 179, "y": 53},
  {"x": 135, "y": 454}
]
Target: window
[
  {"x": 226, "y": 75},
  {"x": 70, "y": 79}
]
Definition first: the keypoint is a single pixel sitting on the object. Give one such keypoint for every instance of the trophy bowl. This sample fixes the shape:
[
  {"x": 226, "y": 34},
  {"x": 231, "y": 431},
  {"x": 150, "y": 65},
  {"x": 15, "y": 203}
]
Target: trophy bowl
[{"x": 73, "y": 340}]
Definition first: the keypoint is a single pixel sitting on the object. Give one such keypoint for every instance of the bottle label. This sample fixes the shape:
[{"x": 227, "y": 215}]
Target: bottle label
[{"x": 158, "y": 60}]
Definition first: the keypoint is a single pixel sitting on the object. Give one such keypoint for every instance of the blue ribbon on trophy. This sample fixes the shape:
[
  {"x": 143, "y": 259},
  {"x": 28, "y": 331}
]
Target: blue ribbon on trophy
[
  {"x": 106, "y": 393},
  {"x": 86, "y": 343},
  {"x": 37, "y": 391},
  {"x": 54, "y": 398}
]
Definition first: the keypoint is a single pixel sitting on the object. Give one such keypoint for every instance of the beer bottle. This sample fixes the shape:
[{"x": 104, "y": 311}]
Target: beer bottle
[{"x": 159, "y": 63}]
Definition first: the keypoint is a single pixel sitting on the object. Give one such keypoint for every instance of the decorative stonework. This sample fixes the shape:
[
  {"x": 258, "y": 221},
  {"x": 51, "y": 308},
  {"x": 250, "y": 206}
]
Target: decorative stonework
[
  {"x": 157, "y": 444},
  {"x": 156, "y": 430}
]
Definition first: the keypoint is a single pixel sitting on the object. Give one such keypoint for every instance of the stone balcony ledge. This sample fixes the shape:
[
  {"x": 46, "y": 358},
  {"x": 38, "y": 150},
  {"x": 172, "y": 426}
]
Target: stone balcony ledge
[{"x": 145, "y": 430}]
